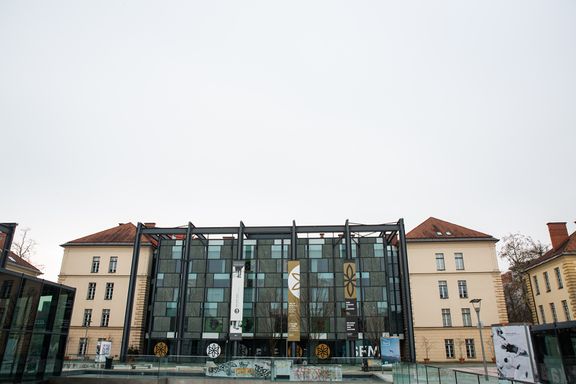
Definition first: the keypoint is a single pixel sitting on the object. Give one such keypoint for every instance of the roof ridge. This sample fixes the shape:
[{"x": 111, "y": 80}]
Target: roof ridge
[
  {"x": 437, "y": 229},
  {"x": 568, "y": 245},
  {"x": 123, "y": 233}
]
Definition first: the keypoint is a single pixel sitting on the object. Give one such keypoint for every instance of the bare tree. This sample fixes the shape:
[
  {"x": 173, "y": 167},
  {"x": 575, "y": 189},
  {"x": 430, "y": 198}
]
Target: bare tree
[
  {"x": 518, "y": 250},
  {"x": 24, "y": 245},
  {"x": 427, "y": 347},
  {"x": 374, "y": 325}
]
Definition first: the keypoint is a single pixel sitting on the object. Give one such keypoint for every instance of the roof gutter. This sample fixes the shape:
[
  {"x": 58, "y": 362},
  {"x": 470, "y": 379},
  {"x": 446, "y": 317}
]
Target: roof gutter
[
  {"x": 103, "y": 244},
  {"x": 452, "y": 239}
]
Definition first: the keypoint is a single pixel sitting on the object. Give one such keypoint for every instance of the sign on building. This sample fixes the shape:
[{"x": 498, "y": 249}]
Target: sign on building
[
  {"x": 293, "y": 300},
  {"x": 237, "y": 301}
]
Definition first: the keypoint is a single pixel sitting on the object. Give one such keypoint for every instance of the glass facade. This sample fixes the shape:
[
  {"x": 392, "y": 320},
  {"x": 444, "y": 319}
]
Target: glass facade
[
  {"x": 190, "y": 301},
  {"x": 555, "y": 352},
  {"x": 35, "y": 319}
]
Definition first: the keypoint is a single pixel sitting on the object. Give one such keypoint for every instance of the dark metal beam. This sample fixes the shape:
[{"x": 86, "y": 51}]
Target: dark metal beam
[
  {"x": 268, "y": 236},
  {"x": 405, "y": 292},
  {"x": 130, "y": 298},
  {"x": 240, "y": 243},
  {"x": 348, "y": 240},
  {"x": 183, "y": 290},
  {"x": 253, "y": 231},
  {"x": 293, "y": 243},
  {"x": 8, "y": 229}
]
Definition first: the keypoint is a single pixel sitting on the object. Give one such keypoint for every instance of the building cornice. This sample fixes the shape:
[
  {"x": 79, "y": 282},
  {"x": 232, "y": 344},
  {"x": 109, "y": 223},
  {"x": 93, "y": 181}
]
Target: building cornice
[
  {"x": 103, "y": 245},
  {"x": 549, "y": 260},
  {"x": 452, "y": 240}
]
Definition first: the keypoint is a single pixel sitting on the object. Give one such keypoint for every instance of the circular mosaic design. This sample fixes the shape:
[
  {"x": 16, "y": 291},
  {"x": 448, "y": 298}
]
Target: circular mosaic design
[
  {"x": 160, "y": 349},
  {"x": 322, "y": 351},
  {"x": 213, "y": 350}
]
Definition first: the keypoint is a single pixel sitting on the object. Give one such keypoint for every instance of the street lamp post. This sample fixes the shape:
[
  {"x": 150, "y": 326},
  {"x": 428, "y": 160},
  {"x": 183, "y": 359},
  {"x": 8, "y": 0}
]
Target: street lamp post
[{"x": 476, "y": 303}]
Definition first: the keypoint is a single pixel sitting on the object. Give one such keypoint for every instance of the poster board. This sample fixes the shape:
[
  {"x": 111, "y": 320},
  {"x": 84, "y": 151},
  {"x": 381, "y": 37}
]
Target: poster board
[{"x": 514, "y": 353}]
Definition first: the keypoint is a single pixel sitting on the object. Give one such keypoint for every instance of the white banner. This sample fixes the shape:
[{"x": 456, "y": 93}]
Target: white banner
[
  {"x": 514, "y": 352},
  {"x": 237, "y": 300}
]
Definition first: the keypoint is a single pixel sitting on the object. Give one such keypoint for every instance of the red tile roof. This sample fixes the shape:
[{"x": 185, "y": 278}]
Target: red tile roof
[
  {"x": 436, "y": 229},
  {"x": 119, "y": 235},
  {"x": 15, "y": 259},
  {"x": 567, "y": 247}
]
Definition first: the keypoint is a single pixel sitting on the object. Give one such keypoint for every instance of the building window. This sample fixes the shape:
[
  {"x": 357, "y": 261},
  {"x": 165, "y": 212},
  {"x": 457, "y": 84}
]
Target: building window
[
  {"x": 459, "y": 260},
  {"x": 462, "y": 289},
  {"x": 105, "y": 318},
  {"x": 446, "y": 318},
  {"x": 440, "y": 266},
  {"x": 82, "y": 346},
  {"x": 443, "y": 287},
  {"x": 215, "y": 295},
  {"x": 558, "y": 277},
  {"x": 91, "y": 291},
  {"x": 172, "y": 308},
  {"x": 566, "y": 310},
  {"x": 547, "y": 281},
  {"x": 553, "y": 310},
  {"x": 536, "y": 285},
  {"x": 6, "y": 289},
  {"x": 87, "y": 318},
  {"x": 466, "y": 317},
  {"x": 470, "y": 349},
  {"x": 109, "y": 291},
  {"x": 113, "y": 264},
  {"x": 449, "y": 347},
  {"x": 542, "y": 314},
  {"x": 95, "y": 264}
]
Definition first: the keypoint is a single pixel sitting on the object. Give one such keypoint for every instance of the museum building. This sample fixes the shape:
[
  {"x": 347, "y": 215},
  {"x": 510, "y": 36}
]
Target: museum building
[{"x": 255, "y": 291}]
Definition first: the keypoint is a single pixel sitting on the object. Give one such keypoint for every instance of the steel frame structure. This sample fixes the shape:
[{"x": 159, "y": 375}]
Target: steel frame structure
[
  {"x": 388, "y": 231},
  {"x": 8, "y": 229}
]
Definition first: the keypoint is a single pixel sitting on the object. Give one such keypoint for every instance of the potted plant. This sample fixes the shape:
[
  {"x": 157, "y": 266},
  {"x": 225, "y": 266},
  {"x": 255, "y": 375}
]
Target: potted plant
[
  {"x": 132, "y": 351},
  {"x": 460, "y": 344},
  {"x": 426, "y": 346}
]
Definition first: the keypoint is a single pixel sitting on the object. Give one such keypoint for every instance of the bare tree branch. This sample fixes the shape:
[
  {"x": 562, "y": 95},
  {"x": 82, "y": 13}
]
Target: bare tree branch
[
  {"x": 24, "y": 246},
  {"x": 518, "y": 250}
]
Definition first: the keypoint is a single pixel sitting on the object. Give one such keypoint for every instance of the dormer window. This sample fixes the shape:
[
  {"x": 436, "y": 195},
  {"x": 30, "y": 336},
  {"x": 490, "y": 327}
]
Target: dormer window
[
  {"x": 438, "y": 233},
  {"x": 448, "y": 233}
]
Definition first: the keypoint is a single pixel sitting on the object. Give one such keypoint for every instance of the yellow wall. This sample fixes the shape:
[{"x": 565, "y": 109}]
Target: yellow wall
[
  {"x": 75, "y": 272},
  {"x": 483, "y": 281},
  {"x": 567, "y": 265},
  {"x": 434, "y": 339}
]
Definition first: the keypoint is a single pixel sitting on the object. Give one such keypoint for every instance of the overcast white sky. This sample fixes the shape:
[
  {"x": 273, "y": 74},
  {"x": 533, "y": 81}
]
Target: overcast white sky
[{"x": 318, "y": 111}]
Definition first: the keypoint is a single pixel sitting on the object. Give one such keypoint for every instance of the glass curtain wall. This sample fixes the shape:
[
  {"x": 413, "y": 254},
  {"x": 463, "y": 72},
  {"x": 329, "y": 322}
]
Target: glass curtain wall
[
  {"x": 202, "y": 297},
  {"x": 34, "y": 320}
]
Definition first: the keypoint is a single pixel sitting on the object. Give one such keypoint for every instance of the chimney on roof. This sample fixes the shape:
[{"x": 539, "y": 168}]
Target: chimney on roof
[
  {"x": 150, "y": 225},
  {"x": 558, "y": 233}
]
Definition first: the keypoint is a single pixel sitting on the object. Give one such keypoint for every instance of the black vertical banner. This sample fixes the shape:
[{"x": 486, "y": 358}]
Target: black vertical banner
[{"x": 350, "y": 299}]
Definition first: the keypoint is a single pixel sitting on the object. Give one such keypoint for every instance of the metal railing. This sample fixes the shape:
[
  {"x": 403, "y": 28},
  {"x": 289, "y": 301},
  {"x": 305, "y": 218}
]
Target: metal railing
[
  {"x": 411, "y": 373},
  {"x": 258, "y": 367}
]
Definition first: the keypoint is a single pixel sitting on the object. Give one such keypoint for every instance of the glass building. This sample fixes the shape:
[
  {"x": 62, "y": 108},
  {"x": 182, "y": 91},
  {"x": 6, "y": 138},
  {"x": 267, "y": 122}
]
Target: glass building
[
  {"x": 233, "y": 286},
  {"x": 34, "y": 321}
]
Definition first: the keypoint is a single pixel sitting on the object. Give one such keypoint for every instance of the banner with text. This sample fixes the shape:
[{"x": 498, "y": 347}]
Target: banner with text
[
  {"x": 237, "y": 301},
  {"x": 293, "y": 300},
  {"x": 350, "y": 299}
]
